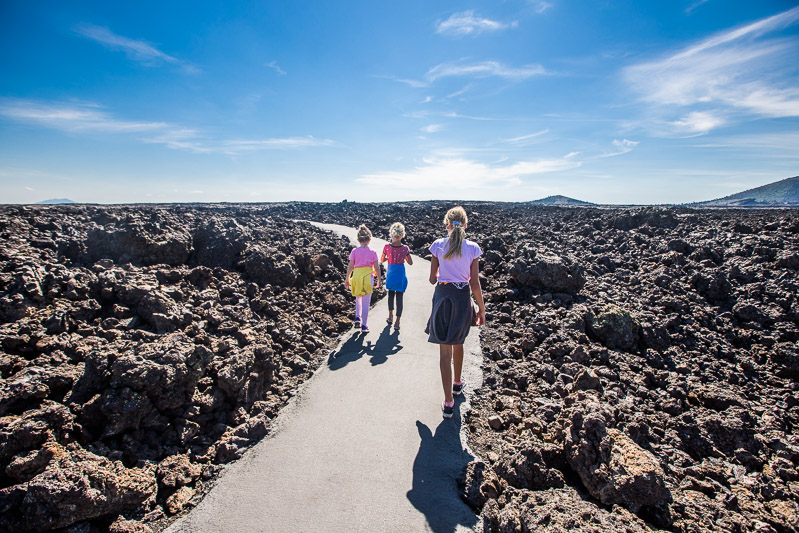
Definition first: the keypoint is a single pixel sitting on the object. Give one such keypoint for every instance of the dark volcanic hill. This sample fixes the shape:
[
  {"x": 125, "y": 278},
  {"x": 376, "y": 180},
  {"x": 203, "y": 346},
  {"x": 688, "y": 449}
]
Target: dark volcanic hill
[
  {"x": 559, "y": 200},
  {"x": 780, "y": 193}
]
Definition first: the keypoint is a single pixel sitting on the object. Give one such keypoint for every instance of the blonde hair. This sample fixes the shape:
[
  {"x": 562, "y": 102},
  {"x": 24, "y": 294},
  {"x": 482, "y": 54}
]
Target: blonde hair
[
  {"x": 397, "y": 229},
  {"x": 457, "y": 217},
  {"x": 364, "y": 235}
]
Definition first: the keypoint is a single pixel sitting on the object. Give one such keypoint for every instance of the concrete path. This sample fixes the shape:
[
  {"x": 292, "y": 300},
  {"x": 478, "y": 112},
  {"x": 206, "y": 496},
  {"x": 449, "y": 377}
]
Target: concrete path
[{"x": 363, "y": 446}]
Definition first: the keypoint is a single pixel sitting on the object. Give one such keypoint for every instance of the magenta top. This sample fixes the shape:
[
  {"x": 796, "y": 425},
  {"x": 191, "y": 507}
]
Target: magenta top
[
  {"x": 396, "y": 254},
  {"x": 363, "y": 257},
  {"x": 455, "y": 269}
]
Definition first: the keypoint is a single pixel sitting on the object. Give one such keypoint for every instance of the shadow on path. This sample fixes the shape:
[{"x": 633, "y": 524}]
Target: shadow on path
[
  {"x": 354, "y": 348},
  {"x": 437, "y": 466},
  {"x": 387, "y": 344}
]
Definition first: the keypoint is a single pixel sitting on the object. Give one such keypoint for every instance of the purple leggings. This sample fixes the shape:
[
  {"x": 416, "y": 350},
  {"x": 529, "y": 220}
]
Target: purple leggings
[{"x": 362, "y": 308}]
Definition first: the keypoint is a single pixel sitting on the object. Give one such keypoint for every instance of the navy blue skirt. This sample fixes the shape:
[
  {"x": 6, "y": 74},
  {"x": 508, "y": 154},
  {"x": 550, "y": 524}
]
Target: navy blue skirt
[{"x": 451, "y": 316}]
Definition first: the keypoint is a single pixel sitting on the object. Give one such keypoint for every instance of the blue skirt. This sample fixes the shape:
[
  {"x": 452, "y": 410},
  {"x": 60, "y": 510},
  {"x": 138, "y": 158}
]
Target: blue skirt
[{"x": 395, "y": 278}]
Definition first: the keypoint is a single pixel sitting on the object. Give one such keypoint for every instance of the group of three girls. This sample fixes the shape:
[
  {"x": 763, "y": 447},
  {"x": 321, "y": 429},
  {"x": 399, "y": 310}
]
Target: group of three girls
[{"x": 454, "y": 270}]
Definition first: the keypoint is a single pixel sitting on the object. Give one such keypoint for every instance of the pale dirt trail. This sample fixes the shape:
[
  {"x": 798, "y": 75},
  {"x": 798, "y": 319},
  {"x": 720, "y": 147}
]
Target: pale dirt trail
[{"x": 363, "y": 446}]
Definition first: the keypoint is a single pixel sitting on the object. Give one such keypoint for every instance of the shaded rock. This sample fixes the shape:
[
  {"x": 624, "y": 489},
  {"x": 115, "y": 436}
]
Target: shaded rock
[
  {"x": 548, "y": 272},
  {"x": 480, "y": 484},
  {"x": 614, "y": 327}
]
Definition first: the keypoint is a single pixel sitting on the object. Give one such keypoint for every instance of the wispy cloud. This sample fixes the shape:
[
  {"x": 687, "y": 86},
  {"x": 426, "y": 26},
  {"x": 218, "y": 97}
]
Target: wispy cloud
[
  {"x": 697, "y": 123},
  {"x": 91, "y": 118},
  {"x": 481, "y": 69},
  {"x": 465, "y": 174},
  {"x": 432, "y": 128},
  {"x": 540, "y": 6},
  {"x": 72, "y": 117},
  {"x": 693, "y": 6},
  {"x": 622, "y": 147},
  {"x": 286, "y": 143},
  {"x": 137, "y": 50},
  {"x": 468, "y": 24},
  {"x": 740, "y": 71},
  {"x": 523, "y": 140},
  {"x": 274, "y": 66}
]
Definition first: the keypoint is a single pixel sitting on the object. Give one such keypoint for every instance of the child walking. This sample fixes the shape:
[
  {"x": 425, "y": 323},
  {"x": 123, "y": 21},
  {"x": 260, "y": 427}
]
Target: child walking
[
  {"x": 397, "y": 254},
  {"x": 362, "y": 267},
  {"x": 454, "y": 269}
]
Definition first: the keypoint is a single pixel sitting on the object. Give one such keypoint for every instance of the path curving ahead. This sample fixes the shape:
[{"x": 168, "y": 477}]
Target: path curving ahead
[{"x": 363, "y": 446}]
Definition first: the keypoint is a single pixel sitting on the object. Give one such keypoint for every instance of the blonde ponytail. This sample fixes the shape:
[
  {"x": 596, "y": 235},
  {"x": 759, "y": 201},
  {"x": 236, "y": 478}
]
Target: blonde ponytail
[{"x": 457, "y": 217}]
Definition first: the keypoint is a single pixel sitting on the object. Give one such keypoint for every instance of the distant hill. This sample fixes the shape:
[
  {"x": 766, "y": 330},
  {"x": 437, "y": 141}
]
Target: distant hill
[
  {"x": 56, "y": 201},
  {"x": 560, "y": 200},
  {"x": 783, "y": 193}
]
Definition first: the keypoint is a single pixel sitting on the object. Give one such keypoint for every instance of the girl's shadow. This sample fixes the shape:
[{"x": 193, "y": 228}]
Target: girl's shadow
[
  {"x": 354, "y": 348},
  {"x": 439, "y": 462},
  {"x": 387, "y": 344}
]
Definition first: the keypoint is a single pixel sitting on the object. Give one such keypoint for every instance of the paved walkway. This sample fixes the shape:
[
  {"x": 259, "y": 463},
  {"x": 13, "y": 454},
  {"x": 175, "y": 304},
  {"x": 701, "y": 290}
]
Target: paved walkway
[{"x": 363, "y": 446}]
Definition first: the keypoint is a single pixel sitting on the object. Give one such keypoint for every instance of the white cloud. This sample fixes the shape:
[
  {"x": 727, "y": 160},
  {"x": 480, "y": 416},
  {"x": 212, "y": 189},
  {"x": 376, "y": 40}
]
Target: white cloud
[
  {"x": 137, "y": 50},
  {"x": 483, "y": 69},
  {"x": 524, "y": 140},
  {"x": 540, "y": 7},
  {"x": 198, "y": 192},
  {"x": 432, "y": 128},
  {"x": 71, "y": 117},
  {"x": 274, "y": 66},
  {"x": 286, "y": 143},
  {"x": 466, "y": 23},
  {"x": 697, "y": 123},
  {"x": 622, "y": 147},
  {"x": 191, "y": 140},
  {"x": 30, "y": 189},
  {"x": 464, "y": 174},
  {"x": 89, "y": 118},
  {"x": 739, "y": 71},
  {"x": 693, "y": 6}
]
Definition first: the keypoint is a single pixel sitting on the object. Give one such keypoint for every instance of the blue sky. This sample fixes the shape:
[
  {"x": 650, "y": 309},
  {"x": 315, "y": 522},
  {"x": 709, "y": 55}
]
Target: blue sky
[{"x": 608, "y": 101}]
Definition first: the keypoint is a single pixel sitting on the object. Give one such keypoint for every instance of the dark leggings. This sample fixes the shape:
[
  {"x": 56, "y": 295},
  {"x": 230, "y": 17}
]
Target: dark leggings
[{"x": 399, "y": 302}]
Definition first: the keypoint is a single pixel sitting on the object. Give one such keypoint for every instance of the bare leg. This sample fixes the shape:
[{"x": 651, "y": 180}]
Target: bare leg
[
  {"x": 457, "y": 358},
  {"x": 445, "y": 351}
]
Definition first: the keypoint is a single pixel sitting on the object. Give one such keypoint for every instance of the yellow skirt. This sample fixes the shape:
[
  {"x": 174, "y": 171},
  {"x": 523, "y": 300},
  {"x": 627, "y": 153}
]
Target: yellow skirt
[{"x": 361, "y": 281}]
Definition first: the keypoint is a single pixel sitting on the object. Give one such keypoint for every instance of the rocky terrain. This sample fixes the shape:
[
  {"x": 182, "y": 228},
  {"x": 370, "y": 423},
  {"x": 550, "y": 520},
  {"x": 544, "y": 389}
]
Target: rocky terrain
[
  {"x": 641, "y": 367},
  {"x": 143, "y": 347}
]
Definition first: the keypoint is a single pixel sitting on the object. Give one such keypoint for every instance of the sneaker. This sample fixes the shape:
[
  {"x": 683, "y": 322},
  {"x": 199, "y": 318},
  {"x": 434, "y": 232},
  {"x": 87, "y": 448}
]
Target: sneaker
[
  {"x": 364, "y": 329},
  {"x": 356, "y": 323},
  {"x": 389, "y": 321},
  {"x": 449, "y": 410},
  {"x": 396, "y": 326},
  {"x": 457, "y": 388}
]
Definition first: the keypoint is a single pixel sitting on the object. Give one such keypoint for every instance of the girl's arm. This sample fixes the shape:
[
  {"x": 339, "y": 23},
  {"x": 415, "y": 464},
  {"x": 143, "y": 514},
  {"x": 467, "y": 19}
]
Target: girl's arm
[
  {"x": 408, "y": 259},
  {"x": 433, "y": 270},
  {"x": 383, "y": 257},
  {"x": 474, "y": 283},
  {"x": 350, "y": 267},
  {"x": 376, "y": 266}
]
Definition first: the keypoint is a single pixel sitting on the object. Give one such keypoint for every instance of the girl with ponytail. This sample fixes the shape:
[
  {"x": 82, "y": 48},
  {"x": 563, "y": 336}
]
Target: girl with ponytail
[{"x": 454, "y": 269}]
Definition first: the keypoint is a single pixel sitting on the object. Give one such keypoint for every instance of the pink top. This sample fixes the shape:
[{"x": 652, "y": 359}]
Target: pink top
[
  {"x": 455, "y": 269},
  {"x": 396, "y": 254},
  {"x": 363, "y": 257}
]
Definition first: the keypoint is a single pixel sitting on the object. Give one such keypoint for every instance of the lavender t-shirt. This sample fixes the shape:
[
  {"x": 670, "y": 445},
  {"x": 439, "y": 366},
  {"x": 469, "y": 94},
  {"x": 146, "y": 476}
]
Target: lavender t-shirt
[{"x": 455, "y": 269}]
